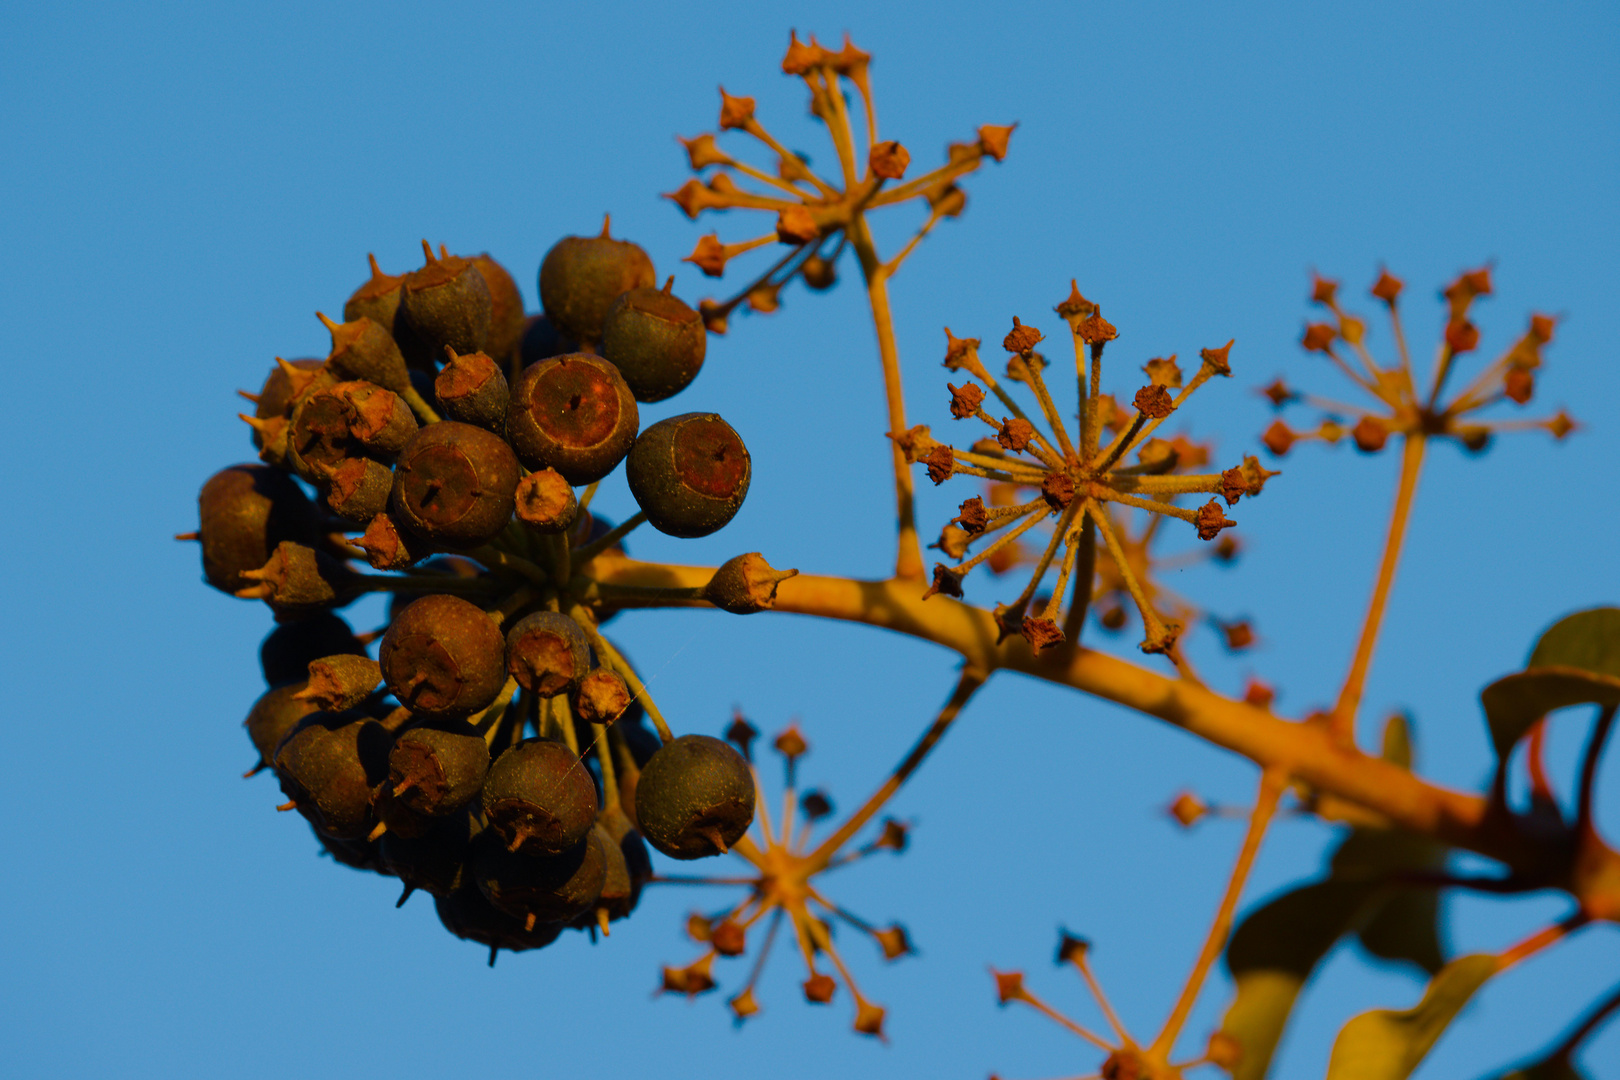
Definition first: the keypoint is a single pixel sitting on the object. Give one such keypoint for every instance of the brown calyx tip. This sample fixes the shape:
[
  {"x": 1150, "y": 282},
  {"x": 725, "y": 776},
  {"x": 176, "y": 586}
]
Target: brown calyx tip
[
  {"x": 947, "y": 582},
  {"x": 957, "y": 350},
  {"x": 427, "y": 252},
  {"x": 188, "y": 536},
  {"x": 1153, "y": 401},
  {"x": 1021, "y": 339},
  {"x": 1016, "y": 434},
  {"x": 791, "y": 743},
  {"x": 714, "y": 836},
  {"x": 1387, "y": 287},
  {"x": 889, "y": 160},
  {"x": 376, "y": 271},
  {"x": 941, "y": 463},
  {"x": 1211, "y": 520},
  {"x": 1075, "y": 307},
  {"x": 965, "y": 400},
  {"x": 326, "y": 322},
  {"x": 993, "y": 139},
  {"x": 1323, "y": 290},
  {"x": 1217, "y": 358},
  {"x": 290, "y": 804},
  {"x": 1041, "y": 633},
  {"x": 735, "y": 112},
  {"x": 669, "y": 285},
  {"x": 607, "y": 223},
  {"x": 972, "y": 516},
  {"x": 1095, "y": 330},
  {"x": 796, "y": 225},
  {"x": 1009, "y": 986}
]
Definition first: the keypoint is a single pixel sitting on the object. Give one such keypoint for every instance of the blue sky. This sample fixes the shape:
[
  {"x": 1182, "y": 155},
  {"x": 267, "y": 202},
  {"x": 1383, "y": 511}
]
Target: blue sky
[{"x": 186, "y": 184}]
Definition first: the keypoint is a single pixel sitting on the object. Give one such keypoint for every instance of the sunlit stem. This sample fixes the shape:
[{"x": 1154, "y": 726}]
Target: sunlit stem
[
  {"x": 967, "y": 683},
  {"x": 589, "y": 494},
  {"x": 843, "y": 134},
  {"x": 424, "y": 412},
  {"x": 604, "y": 758},
  {"x": 493, "y": 557},
  {"x": 789, "y": 800},
  {"x": 1094, "y": 434},
  {"x": 1442, "y": 370},
  {"x": 611, "y": 657},
  {"x": 1045, "y": 561},
  {"x": 564, "y": 717},
  {"x": 1121, "y": 442},
  {"x": 1199, "y": 379},
  {"x": 766, "y": 178},
  {"x": 912, "y": 188},
  {"x": 1055, "y": 461},
  {"x": 1540, "y": 940},
  {"x": 1152, "y": 506},
  {"x": 754, "y": 128},
  {"x": 1035, "y": 516},
  {"x": 1053, "y": 417},
  {"x": 1080, "y": 381},
  {"x": 1355, "y": 376},
  {"x": 1151, "y": 623},
  {"x": 1175, "y": 485},
  {"x": 763, "y": 810},
  {"x": 908, "y": 557},
  {"x": 1052, "y": 1014},
  {"x": 765, "y": 949},
  {"x": 1401, "y": 350},
  {"x": 927, "y": 227},
  {"x": 747, "y": 849},
  {"x": 1007, "y": 464},
  {"x": 1272, "y": 783},
  {"x": 1343, "y": 722},
  {"x": 1085, "y": 574},
  {"x": 1071, "y": 547},
  {"x": 1083, "y": 962}
]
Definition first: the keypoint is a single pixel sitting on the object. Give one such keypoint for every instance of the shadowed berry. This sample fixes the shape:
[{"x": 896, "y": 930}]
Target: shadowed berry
[
  {"x": 506, "y": 319},
  {"x": 437, "y": 772},
  {"x": 689, "y": 474},
  {"x": 655, "y": 341},
  {"x": 573, "y": 414},
  {"x": 581, "y": 277},
  {"x": 468, "y": 915},
  {"x": 365, "y": 350},
  {"x": 547, "y": 653},
  {"x": 329, "y": 766},
  {"x": 542, "y": 340},
  {"x": 695, "y": 798},
  {"x": 544, "y": 888},
  {"x": 287, "y": 650},
  {"x": 434, "y": 861},
  {"x": 341, "y": 682},
  {"x": 298, "y": 580},
  {"x": 442, "y": 656},
  {"x": 455, "y": 484},
  {"x": 272, "y": 718},
  {"x": 539, "y": 798},
  {"x": 243, "y": 513}
]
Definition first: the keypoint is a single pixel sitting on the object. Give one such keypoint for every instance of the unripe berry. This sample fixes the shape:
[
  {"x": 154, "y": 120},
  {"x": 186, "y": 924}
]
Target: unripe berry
[
  {"x": 442, "y": 657},
  {"x": 695, "y": 798},
  {"x": 506, "y": 319},
  {"x": 539, "y": 798},
  {"x": 244, "y": 512},
  {"x": 581, "y": 277},
  {"x": 298, "y": 580},
  {"x": 437, "y": 772},
  {"x": 272, "y": 719},
  {"x": 544, "y": 888},
  {"x": 573, "y": 414},
  {"x": 655, "y": 341},
  {"x": 467, "y": 914},
  {"x": 377, "y": 299},
  {"x": 341, "y": 682},
  {"x": 329, "y": 767},
  {"x": 689, "y": 473},
  {"x": 472, "y": 389},
  {"x": 435, "y": 861},
  {"x": 446, "y": 303},
  {"x": 637, "y": 863},
  {"x": 546, "y": 502},
  {"x": 358, "y": 488},
  {"x": 364, "y": 349},
  {"x": 387, "y": 546},
  {"x": 454, "y": 484},
  {"x": 275, "y": 397},
  {"x": 745, "y": 584},
  {"x": 547, "y": 653}
]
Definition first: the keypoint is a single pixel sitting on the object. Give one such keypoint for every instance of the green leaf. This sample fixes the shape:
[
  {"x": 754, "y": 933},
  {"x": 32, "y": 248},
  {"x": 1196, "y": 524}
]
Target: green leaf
[
  {"x": 1388, "y": 1045},
  {"x": 1589, "y": 640},
  {"x": 1407, "y": 929},
  {"x": 1515, "y": 702},
  {"x": 1273, "y": 952}
]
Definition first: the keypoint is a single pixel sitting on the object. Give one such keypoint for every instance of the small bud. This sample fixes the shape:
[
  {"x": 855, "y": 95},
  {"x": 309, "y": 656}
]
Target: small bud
[
  {"x": 1236, "y": 636},
  {"x": 952, "y": 541},
  {"x": 958, "y": 350},
  {"x": 1016, "y": 434},
  {"x": 713, "y": 315},
  {"x": 703, "y": 152},
  {"x": 947, "y": 582},
  {"x": 1071, "y": 949},
  {"x": 1187, "y": 809},
  {"x": 1541, "y": 328},
  {"x": 965, "y": 400},
  {"x": 1021, "y": 338},
  {"x": 1058, "y": 490},
  {"x": 795, "y": 225},
  {"x": 728, "y": 938},
  {"x": 1223, "y": 1051},
  {"x": 947, "y": 200},
  {"x": 1074, "y": 307},
  {"x": 1561, "y": 425},
  {"x": 338, "y": 683},
  {"x": 1370, "y": 434},
  {"x": 1096, "y": 330},
  {"x": 1278, "y": 438},
  {"x": 735, "y": 112},
  {"x": 386, "y": 547},
  {"x": 1279, "y": 394},
  {"x": 1387, "y": 287},
  {"x": 818, "y": 989},
  {"x": 915, "y": 444},
  {"x": 895, "y": 836},
  {"x": 1163, "y": 372},
  {"x": 1009, "y": 986},
  {"x": 1462, "y": 336},
  {"x": 1256, "y": 475},
  {"x": 1519, "y": 384},
  {"x": 791, "y": 744},
  {"x": 743, "y": 1005},
  {"x": 1352, "y": 329},
  {"x": 940, "y": 462},
  {"x": 1217, "y": 359},
  {"x": 745, "y": 584},
  {"x": 972, "y": 516},
  {"x": 1211, "y": 520},
  {"x": 1041, "y": 633},
  {"x": 765, "y": 297},
  {"x": 741, "y": 734},
  {"x": 993, "y": 140},
  {"x": 816, "y": 805},
  {"x": 1154, "y": 402},
  {"x": 298, "y": 578},
  {"x": 1258, "y": 694},
  {"x": 1318, "y": 337},
  {"x": 818, "y": 273},
  {"x": 889, "y": 160},
  {"x": 698, "y": 927},
  {"x": 1323, "y": 290},
  {"x": 800, "y": 58}
]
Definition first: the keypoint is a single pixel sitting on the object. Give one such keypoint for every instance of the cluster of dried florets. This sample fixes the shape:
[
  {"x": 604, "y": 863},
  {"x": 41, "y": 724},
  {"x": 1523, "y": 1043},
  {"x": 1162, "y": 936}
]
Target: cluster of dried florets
[
  {"x": 1077, "y": 482},
  {"x": 492, "y": 754},
  {"x": 1397, "y": 406},
  {"x": 816, "y": 217},
  {"x": 785, "y": 858}
]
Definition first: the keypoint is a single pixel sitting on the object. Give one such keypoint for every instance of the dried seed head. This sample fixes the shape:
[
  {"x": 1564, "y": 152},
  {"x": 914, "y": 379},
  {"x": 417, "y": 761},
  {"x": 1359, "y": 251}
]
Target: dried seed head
[
  {"x": 1387, "y": 287},
  {"x": 574, "y": 414},
  {"x": 1154, "y": 402},
  {"x": 796, "y": 225},
  {"x": 442, "y": 656},
  {"x": 819, "y": 989},
  {"x": 1462, "y": 336},
  {"x": 1370, "y": 434},
  {"x": 993, "y": 140},
  {"x": 386, "y": 546},
  {"x": 1058, "y": 490},
  {"x": 689, "y": 474},
  {"x": 888, "y": 160},
  {"x": 791, "y": 743},
  {"x": 947, "y": 582},
  {"x": 546, "y": 502},
  {"x": 1163, "y": 372},
  {"x": 745, "y": 584},
  {"x": 728, "y": 938},
  {"x": 1519, "y": 385},
  {"x": 1095, "y": 330},
  {"x": 1279, "y": 438},
  {"x": 1021, "y": 338},
  {"x": 818, "y": 273},
  {"x": 1211, "y": 520},
  {"x": 472, "y": 389},
  {"x": 1041, "y": 633},
  {"x": 972, "y": 516},
  {"x": 735, "y": 112},
  {"x": 1318, "y": 337},
  {"x": 341, "y": 682},
  {"x": 741, "y": 734},
  {"x": 547, "y": 653}
]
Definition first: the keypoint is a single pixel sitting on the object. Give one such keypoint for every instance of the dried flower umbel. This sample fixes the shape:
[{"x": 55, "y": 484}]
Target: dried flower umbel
[{"x": 1076, "y": 481}]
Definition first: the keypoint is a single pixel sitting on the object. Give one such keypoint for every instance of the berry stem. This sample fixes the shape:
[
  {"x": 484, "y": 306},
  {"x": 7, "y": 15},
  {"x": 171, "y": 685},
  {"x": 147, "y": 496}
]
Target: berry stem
[
  {"x": 1589, "y": 764},
  {"x": 893, "y": 264},
  {"x": 424, "y": 412},
  {"x": 1085, "y": 573},
  {"x": 966, "y": 685},
  {"x": 493, "y": 557},
  {"x": 586, "y": 552},
  {"x": 1272, "y": 782},
  {"x": 1343, "y": 722},
  {"x": 908, "y": 557},
  {"x": 1540, "y": 940}
]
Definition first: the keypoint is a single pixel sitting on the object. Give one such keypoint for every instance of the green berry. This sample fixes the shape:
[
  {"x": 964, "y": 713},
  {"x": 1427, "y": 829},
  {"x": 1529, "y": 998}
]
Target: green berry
[
  {"x": 445, "y": 303},
  {"x": 695, "y": 798},
  {"x": 329, "y": 767},
  {"x": 689, "y": 473},
  {"x": 547, "y": 653}
]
